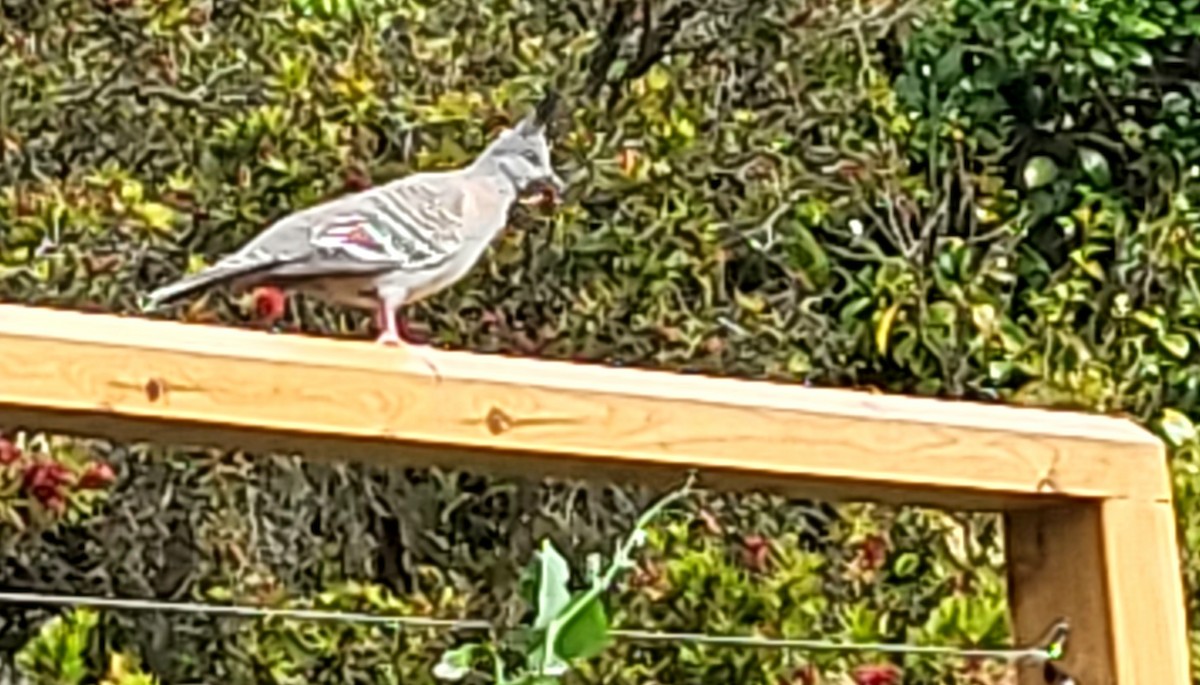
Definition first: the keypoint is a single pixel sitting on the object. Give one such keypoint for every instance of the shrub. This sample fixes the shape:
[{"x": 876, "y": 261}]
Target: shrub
[{"x": 983, "y": 200}]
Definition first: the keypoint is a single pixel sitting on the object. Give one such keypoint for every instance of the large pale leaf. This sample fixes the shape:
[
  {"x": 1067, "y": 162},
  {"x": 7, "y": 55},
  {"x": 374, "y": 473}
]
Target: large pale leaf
[
  {"x": 1095, "y": 166},
  {"x": 552, "y": 577},
  {"x": 1039, "y": 171}
]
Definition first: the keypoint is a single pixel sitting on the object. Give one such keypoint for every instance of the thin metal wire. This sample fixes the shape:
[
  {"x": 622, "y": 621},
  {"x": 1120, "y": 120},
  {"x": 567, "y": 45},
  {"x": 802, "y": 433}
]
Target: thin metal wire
[
  {"x": 1011, "y": 655},
  {"x": 1038, "y": 655},
  {"x": 241, "y": 611}
]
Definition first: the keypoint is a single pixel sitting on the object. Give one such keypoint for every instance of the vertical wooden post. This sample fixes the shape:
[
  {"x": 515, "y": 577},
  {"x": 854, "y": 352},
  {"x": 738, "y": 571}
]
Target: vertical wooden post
[
  {"x": 1112, "y": 568},
  {"x": 1145, "y": 592},
  {"x": 1056, "y": 570}
]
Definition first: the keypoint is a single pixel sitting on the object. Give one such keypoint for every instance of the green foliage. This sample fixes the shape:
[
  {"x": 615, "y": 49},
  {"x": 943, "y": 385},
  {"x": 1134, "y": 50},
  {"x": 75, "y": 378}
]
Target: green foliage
[
  {"x": 124, "y": 670},
  {"x": 59, "y": 653},
  {"x": 567, "y": 626},
  {"x": 993, "y": 200},
  {"x": 292, "y": 651}
]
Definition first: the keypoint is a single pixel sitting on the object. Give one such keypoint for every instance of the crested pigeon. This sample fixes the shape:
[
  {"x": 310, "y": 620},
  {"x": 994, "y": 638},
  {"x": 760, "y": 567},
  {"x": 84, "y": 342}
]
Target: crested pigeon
[{"x": 396, "y": 243}]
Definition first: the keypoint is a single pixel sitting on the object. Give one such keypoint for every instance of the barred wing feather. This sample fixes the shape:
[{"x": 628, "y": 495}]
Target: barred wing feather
[{"x": 411, "y": 225}]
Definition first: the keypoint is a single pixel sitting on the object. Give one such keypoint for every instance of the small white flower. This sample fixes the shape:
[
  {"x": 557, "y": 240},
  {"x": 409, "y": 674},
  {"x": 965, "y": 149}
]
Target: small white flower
[
  {"x": 1120, "y": 305},
  {"x": 638, "y": 539},
  {"x": 856, "y": 227},
  {"x": 1195, "y": 171},
  {"x": 926, "y": 71}
]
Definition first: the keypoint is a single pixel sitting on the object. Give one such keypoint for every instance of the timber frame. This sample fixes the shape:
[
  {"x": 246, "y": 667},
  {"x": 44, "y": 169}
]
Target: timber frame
[{"x": 1089, "y": 520}]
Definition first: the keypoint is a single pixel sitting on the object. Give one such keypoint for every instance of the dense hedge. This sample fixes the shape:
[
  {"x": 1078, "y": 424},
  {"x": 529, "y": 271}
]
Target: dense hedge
[{"x": 994, "y": 200}]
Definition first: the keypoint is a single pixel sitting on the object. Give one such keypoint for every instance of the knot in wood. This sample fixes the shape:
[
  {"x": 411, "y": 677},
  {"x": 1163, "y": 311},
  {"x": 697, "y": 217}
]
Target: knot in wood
[
  {"x": 155, "y": 388},
  {"x": 498, "y": 422}
]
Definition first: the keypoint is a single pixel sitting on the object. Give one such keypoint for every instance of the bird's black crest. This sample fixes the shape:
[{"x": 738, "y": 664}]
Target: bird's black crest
[{"x": 546, "y": 108}]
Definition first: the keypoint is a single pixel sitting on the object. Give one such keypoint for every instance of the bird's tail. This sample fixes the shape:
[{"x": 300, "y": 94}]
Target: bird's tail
[{"x": 211, "y": 276}]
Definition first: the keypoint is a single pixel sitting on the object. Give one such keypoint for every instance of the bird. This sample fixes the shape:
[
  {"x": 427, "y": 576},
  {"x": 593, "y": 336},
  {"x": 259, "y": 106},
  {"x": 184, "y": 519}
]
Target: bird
[{"x": 396, "y": 243}]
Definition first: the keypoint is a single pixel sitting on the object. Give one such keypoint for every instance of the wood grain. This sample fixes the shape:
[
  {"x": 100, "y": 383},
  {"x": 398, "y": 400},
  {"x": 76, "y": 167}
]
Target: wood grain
[
  {"x": 76, "y": 371},
  {"x": 1056, "y": 570},
  {"x": 1145, "y": 593},
  {"x": 1112, "y": 568},
  {"x": 1090, "y": 525}
]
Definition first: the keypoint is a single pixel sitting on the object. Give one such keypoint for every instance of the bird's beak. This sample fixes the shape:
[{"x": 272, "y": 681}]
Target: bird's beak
[
  {"x": 555, "y": 183},
  {"x": 547, "y": 191}
]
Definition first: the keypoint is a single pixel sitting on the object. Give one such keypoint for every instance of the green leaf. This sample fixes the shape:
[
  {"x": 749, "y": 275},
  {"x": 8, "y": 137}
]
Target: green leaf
[
  {"x": 942, "y": 313},
  {"x": 1176, "y": 343},
  {"x": 1095, "y": 165},
  {"x": 1139, "y": 55},
  {"x": 949, "y": 66},
  {"x": 553, "y": 574},
  {"x": 658, "y": 78},
  {"x": 883, "y": 330},
  {"x": 1102, "y": 59},
  {"x": 1177, "y": 427},
  {"x": 58, "y": 653},
  {"x": 1145, "y": 29},
  {"x": 1149, "y": 320},
  {"x": 156, "y": 216},
  {"x": 586, "y": 634},
  {"x": 1039, "y": 171},
  {"x": 685, "y": 128},
  {"x": 124, "y": 670},
  {"x": 906, "y": 565},
  {"x": 455, "y": 664}
]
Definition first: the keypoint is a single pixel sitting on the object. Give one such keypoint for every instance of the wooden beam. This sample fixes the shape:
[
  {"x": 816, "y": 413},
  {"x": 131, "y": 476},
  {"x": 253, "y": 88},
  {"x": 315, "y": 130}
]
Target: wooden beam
[
  {"x": 1113, "y": 568},
  {"x": 1055, "y": 570},
  {"x": 132, "y": 378},
  {"x": 1144, "y": 586},
  {"x": 1090, "y": 526}
]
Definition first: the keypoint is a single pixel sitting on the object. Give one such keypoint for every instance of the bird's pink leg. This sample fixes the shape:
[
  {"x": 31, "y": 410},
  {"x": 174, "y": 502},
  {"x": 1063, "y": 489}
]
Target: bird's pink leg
[
  {"x": 402, "y": 329},
  {"x": 388, "y": 333},
  {"x": 390, "y": 336}
]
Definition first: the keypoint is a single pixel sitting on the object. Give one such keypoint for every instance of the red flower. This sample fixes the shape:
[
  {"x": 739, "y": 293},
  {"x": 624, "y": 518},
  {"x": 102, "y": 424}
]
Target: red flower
[
  {"x": 876, "y": 674},
  {"x": 269, "y": 305},
  {"x": 873, "y": 552},
  {"x": 355, "y": 179},
  {"x": 756, "y": 553},
  {"x": 9, "y": 452},
  {"x": 98, "y": 476},
  {"x": 44, "y": 480}
]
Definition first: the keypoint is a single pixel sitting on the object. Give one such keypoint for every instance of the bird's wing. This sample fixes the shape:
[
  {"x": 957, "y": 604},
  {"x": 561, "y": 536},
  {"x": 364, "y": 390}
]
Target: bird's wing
[{"x": 414, "y": 224}]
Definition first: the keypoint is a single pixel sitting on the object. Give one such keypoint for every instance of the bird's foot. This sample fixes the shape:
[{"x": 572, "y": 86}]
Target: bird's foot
[
  {"x": 392, "y": 339},
  {"x": 403, "y": 329},
  {"x": 389, "y": 339}
]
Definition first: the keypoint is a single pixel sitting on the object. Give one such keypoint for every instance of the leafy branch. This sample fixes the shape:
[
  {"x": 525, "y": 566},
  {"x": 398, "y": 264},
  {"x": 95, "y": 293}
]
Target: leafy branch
[{"x": 567, "y": 627}]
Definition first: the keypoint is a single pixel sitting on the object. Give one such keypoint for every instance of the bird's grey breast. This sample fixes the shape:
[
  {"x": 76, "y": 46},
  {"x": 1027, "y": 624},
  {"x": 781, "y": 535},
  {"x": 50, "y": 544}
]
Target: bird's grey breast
[{"x": 485, "y": 209}]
